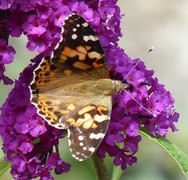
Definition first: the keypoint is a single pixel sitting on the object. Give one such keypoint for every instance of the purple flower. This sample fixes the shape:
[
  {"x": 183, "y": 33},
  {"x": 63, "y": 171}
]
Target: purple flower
[
  {"x": 6, "y": 57},
  {"x": 35, "y": 26},
  {"x": 6, "y": 53},
  {"x": 15, "y": 22},
  {"x": 55, "y": 162},
  {"x": 4, "y": 4},
  {"x": 145, "y": 103},
  {"x": 124, "y": 160},
  {"x": 34, "y": 140},
  {"x": 59, "y": 15}
]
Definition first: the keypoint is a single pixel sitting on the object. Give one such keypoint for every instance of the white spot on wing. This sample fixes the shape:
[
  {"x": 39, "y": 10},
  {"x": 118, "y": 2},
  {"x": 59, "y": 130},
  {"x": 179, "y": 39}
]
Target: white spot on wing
[
  {"x": 96, "y": 38},
  {"x": 74, "y": 156},
  {"x": 96, "y": 136},
  {"x": 81, "y": 138},
  {"x": 91, "y": 149},
  {"x": 85, "y": 24},
  {"x": 74, "y": 36},
  {"x": 86, "y": 38},
  {"x": 91, "y": 38}
]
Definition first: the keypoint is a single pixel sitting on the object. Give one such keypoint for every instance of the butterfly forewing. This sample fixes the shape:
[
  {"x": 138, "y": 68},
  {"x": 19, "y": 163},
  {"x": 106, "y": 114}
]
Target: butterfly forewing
[
  {"x": 80, "y": 47},
  {"x": 72, "y": 89}
]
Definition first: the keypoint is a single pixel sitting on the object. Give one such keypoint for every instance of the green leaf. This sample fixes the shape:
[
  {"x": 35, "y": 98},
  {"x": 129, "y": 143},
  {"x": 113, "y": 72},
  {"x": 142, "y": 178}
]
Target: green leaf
[
  {"x": 180, "y": 157},
  {"x": 4, "y": 166}
]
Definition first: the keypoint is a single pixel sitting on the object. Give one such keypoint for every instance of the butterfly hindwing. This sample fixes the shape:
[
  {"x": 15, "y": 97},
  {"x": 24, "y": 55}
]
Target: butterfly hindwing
[
  {"x": 85, "y": 139},
  {"x": 66, "y": 91}
]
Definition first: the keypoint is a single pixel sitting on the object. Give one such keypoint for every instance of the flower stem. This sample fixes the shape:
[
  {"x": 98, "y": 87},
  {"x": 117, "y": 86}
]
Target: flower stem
[{"x": 100, "y": 167}]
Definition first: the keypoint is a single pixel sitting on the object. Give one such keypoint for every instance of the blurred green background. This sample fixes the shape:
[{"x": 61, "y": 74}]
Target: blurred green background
[{"x": 158, "y": 23}]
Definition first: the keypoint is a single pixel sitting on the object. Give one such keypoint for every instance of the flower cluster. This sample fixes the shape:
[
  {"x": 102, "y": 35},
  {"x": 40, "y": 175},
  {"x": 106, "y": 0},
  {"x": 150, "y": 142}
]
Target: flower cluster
[
  {"x": 146, "y": 103},
  {"x": 28, "y": 141}
]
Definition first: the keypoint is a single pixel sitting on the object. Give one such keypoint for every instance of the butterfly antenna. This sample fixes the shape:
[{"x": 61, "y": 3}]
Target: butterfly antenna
[
  {"x": 151, "y": 49},
  {"x": 140, "y": 104}
]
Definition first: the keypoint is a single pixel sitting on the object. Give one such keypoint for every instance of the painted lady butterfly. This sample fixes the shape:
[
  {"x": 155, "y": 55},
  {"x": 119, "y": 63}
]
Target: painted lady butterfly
[{"x": 72, "y": 89}]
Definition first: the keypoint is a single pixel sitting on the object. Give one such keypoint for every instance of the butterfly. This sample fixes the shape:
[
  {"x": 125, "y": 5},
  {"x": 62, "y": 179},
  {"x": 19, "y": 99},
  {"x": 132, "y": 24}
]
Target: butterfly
[{"x": 72, "y": 90}]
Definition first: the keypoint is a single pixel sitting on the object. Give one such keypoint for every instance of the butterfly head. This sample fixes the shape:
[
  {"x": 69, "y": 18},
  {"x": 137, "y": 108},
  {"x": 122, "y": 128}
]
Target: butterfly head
[{"x": 118, "y": 86}]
